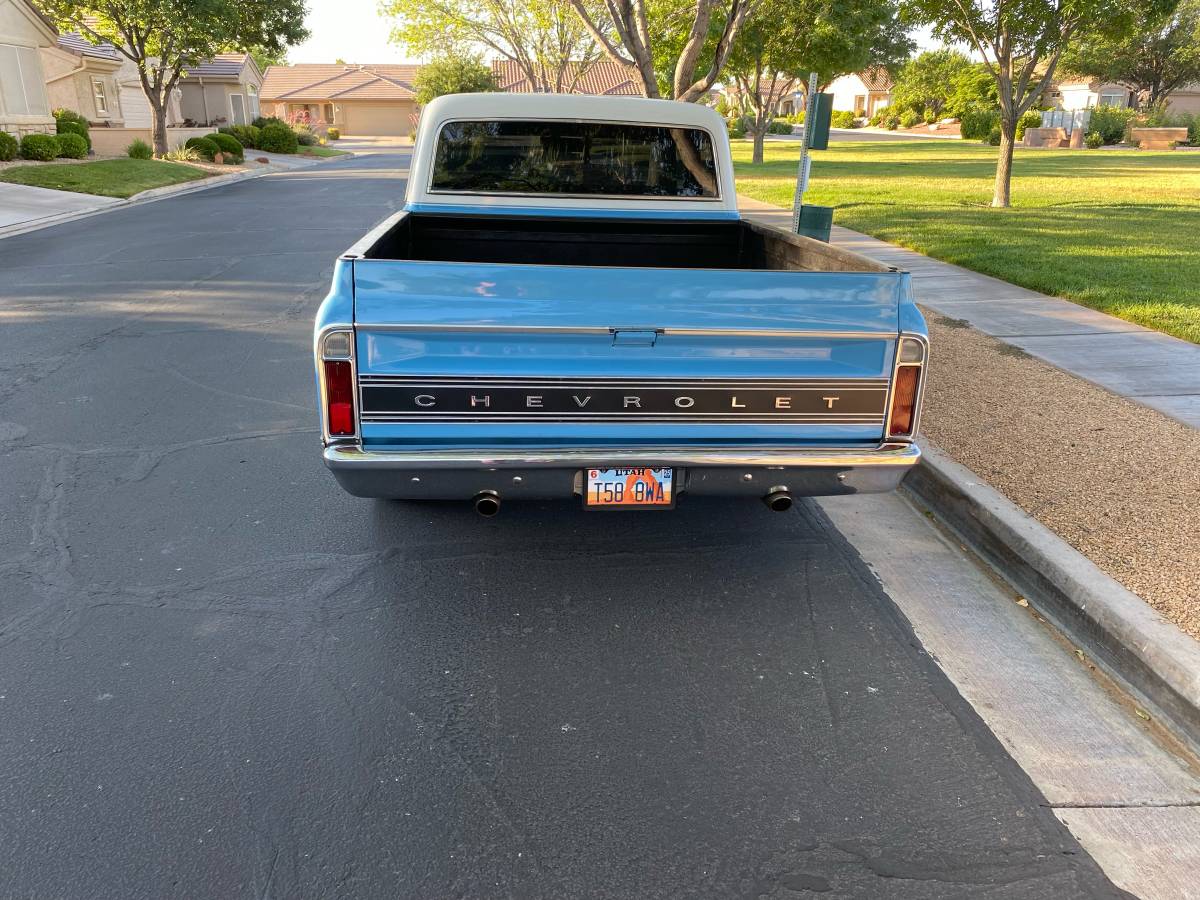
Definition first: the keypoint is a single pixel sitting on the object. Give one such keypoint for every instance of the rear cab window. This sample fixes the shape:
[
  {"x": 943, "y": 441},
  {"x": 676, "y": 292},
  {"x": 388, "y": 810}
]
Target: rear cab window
[{"x": 574, "y": 159}]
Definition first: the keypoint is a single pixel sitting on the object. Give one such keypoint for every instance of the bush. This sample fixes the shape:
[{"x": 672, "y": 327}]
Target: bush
[
  {"x": 276, "y": 137},
  {"x": 139, "y": 149},
  {"x": 930, "y": 117},
  {"x": 736, "y": 128},
  {"x": 305, "y": 138},
  {"x": 43, "y": 147},
  {"x": 779, "y": 126},
  {"x": 68, "y": 126},
  {"x": 202, "y": 145},
  {"x": 891, "y": 121},
  {"x": 1111, "y": 122},
  {"x": 909, "y": 119},
  {"x": 1093, "y": 140},
  {"x": 72, "y": 146},
  {"x": 842, "y": 118},
  {"x": 228, "y": 144},
  {"x": 264, "y": 121},
  {"x": 247, "y": 135},
  {"x": 1031, "y": 118},
  {"x": 333, "y": 134},
  {"x": 8, "y": 147},
  {"x": 993, "y": 137},
  {"x": 976, "y": 122},
  {"x": 184, "y": 154}
]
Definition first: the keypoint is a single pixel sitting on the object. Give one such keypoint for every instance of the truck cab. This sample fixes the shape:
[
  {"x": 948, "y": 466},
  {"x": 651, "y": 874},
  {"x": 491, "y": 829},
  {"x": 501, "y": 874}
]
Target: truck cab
[{"x": 570, "y": 305}]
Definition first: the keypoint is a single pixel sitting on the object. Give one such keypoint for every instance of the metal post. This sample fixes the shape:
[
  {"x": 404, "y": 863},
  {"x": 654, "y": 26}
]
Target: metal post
[{"x": 802, "y": 175}]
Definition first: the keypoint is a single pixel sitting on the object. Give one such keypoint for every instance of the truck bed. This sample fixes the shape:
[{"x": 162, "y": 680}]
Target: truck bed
[{"x": 609, "y": 242}]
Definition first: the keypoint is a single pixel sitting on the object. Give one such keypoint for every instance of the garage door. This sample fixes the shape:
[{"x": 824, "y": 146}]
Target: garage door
[{"x": 382, "y": 120}]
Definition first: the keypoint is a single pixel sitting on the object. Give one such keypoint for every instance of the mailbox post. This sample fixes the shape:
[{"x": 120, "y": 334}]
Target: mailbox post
[{"x": 807, "y": 219}]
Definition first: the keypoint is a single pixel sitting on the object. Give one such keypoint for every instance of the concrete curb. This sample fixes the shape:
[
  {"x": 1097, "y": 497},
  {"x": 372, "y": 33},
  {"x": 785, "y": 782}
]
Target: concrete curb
[
  {"x": 1122, "y": 633},
  {"x": 172, "y": 190}
]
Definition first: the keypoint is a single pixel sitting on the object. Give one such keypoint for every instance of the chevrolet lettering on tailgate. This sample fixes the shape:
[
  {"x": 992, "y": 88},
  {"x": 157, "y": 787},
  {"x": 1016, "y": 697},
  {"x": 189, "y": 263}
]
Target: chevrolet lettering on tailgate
[{"x": 570, "y": 305}]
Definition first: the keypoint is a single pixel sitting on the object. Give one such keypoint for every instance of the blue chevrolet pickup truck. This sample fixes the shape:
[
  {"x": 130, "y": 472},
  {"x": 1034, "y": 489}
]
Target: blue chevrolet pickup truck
[{"x": 569, "y": 305}]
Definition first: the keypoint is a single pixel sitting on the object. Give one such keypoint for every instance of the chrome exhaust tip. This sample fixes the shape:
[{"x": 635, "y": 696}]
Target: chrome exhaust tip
[
  {"x": 778, "y": 499},
  {"x": 487, "y": 503}
]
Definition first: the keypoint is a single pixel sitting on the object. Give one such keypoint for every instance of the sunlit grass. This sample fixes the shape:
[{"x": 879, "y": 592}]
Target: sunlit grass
[
  {"x": 1118, "y": 231},
  {"x": 106, "y": 177}
]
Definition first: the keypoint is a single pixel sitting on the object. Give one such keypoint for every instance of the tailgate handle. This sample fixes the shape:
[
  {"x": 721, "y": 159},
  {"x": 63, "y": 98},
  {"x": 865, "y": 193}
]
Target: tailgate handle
[{"x": 635, "y": 337}]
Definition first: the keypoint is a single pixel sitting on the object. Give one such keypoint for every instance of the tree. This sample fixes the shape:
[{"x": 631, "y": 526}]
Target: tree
[
  {"x": 1158, "y": 56},
  {"x": 544, "y": 38},
  {"x": 787, "y": 39},
  {"x": 164, "y": 37},
  {"x": 928, "y": 81},
  {"x": 452, "y": 75},
  {"x": 705, "y": 30},
  {"x": 1020, "y": 42},
  {"x": 264, "y": 59}
]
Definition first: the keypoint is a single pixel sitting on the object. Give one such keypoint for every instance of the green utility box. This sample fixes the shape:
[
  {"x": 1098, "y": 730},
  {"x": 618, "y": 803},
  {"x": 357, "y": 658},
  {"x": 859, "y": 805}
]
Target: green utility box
[
  {"x": 816, "y": 221},
  {"x": 821, "y": 122}
]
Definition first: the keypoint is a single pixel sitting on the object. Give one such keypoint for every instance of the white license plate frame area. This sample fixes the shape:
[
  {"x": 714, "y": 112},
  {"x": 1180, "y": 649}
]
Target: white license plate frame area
[{"x": 629, "y": 487}]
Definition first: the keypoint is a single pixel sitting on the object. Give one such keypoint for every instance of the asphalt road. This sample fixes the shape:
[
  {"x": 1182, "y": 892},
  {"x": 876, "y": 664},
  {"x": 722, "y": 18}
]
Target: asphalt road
[{"x": 221, "y": 677}]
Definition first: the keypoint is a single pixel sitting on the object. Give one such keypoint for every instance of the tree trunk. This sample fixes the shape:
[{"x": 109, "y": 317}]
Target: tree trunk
[
  {"x": 759, "y": 132},
  {"x": 159, "y": 128},
  {"x": 1008, "y": 138}
]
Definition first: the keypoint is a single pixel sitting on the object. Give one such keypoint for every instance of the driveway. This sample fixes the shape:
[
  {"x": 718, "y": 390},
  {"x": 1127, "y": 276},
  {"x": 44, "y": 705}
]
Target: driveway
[
  {"x": 20, "y": 204},
  {"x": 222, "y": 677}
]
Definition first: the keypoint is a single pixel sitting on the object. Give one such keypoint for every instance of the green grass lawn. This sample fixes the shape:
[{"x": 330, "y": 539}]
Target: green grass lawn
[
  {"x": 1118, "y": 231},
  {"x": 106, "y": 177},
  {"x": 318, "y": 150}
]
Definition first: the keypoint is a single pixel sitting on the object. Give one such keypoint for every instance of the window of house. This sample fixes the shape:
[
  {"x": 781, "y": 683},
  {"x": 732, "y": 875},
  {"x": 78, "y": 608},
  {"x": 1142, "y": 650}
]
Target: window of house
[
  {"x": 860, "y": 105},
  {"x": 328, "y": 113},
  {"x": 100, "y": 97},
  {"x": 252, "y": 95},
  {"x": 1112, "y": 99},
  {"x": 237, "y": 106},
  {"x": 21, "y": 90}
]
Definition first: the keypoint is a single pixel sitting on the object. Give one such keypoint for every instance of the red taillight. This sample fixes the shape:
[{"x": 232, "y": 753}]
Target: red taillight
[
  {"x": 904, "y": 401},
  {"x": 339, "y": 394}
]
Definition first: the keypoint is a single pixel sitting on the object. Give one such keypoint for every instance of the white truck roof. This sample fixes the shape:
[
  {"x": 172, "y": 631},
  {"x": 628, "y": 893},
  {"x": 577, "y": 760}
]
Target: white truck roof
[{"x": 569, "y": 108}]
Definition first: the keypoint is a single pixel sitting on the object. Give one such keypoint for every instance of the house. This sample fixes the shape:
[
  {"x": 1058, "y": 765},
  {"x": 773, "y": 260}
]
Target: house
[
  {"x": 603, "y": 77},
  {"x": 356, "y": 99},
  {"x": 82, "y": 76},
  {"x": 224, "y": 90},
  {"x": 134, "y": 104},
  {"x": 862, "y": 93},
  {"x": 24, "y": 104},
  {"x": 788, "y": 99},
  {"x": 1074, "y": 92}
]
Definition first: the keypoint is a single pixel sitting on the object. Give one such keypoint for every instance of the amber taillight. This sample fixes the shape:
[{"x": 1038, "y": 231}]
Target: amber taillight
[
  {"x": 339, "y": 397},
  {"x": 904, "y": 401}
]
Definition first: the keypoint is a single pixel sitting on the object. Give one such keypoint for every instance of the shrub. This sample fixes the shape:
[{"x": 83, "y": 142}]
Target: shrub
[
  {"x": 305, "y": 138},
  {"x": 976, "y": 122},
  {"x": 333, "y": 134},
  {"x": 909, "y": 119},
  {"x": 66, "y": 126},
  {"x": 1093, "y": 140},
  {"x": 1031, "y": 118},
  {"x": 8, "y": 147},
  {"x": 891, "y": 121},
  {"x": 184, "y": 154},
  {"x": 264, "y": 121},
  {"x": 139, "y": 149},
  {"x": 43, "y": 147},
  {"x": 930, "y": 117},
  {"x": 779, "y": 126},
  {"x": 1111, "y": 122},
  {"x": 736, "y": 128},
  {"x": 993, "y": 137},
  {"x": 276, "y": 137},
  {"x": 72, "y": 146},
  {"x": 202, "y": 145},
  {"x": 227, "y": 143},
  {"x": 247, "y": 135},
  {"x": 842, "y": 118}
]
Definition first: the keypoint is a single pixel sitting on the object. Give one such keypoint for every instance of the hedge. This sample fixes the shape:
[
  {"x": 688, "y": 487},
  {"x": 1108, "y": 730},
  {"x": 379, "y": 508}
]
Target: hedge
[
  {"x": 42, "y": 147},
  {"x": 276, "y": 137},
  {"x": 202, "y": 145},
  {"x": 227, "y": 142},
  {"x": 8, "y": 147},
  {"x": 72, "y": 146}
]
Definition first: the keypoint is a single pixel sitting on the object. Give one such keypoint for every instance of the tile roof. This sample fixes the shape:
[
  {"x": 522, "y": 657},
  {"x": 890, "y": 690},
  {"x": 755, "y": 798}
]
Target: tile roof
[
  {"x": 877, "y": 78},
  {"x": 602, "y": 78},
  {"x": 323, "y": 81},
  {"x": 77, "y": 43},
  {"x": 223, "y": 65}
]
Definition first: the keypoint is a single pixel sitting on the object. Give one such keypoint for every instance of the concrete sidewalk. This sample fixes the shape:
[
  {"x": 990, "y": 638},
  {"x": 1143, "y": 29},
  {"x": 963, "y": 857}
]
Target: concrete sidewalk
[
  {"x": 1145, "y": 366},
  {"x": 23, "y": 205}
]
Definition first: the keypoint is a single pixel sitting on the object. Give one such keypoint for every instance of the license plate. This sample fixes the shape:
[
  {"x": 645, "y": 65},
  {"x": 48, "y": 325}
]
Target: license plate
[{"x": 629, "y": 488}]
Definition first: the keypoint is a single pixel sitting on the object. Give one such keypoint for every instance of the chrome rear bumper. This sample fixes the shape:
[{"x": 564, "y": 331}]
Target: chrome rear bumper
[{"x": 462, "y": 474}]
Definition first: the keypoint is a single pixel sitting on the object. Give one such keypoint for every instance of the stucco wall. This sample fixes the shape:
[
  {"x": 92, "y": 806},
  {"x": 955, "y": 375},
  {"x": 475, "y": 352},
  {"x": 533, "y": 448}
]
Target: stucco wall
[
  {"x": 69, "y": 87},
  {"x": 19, "y": 30},
  {"x": 116, "y": 141}
]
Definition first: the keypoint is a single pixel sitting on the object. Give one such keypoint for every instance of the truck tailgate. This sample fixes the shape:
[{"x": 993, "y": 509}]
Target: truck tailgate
[{"x": 464, "y": 352}]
